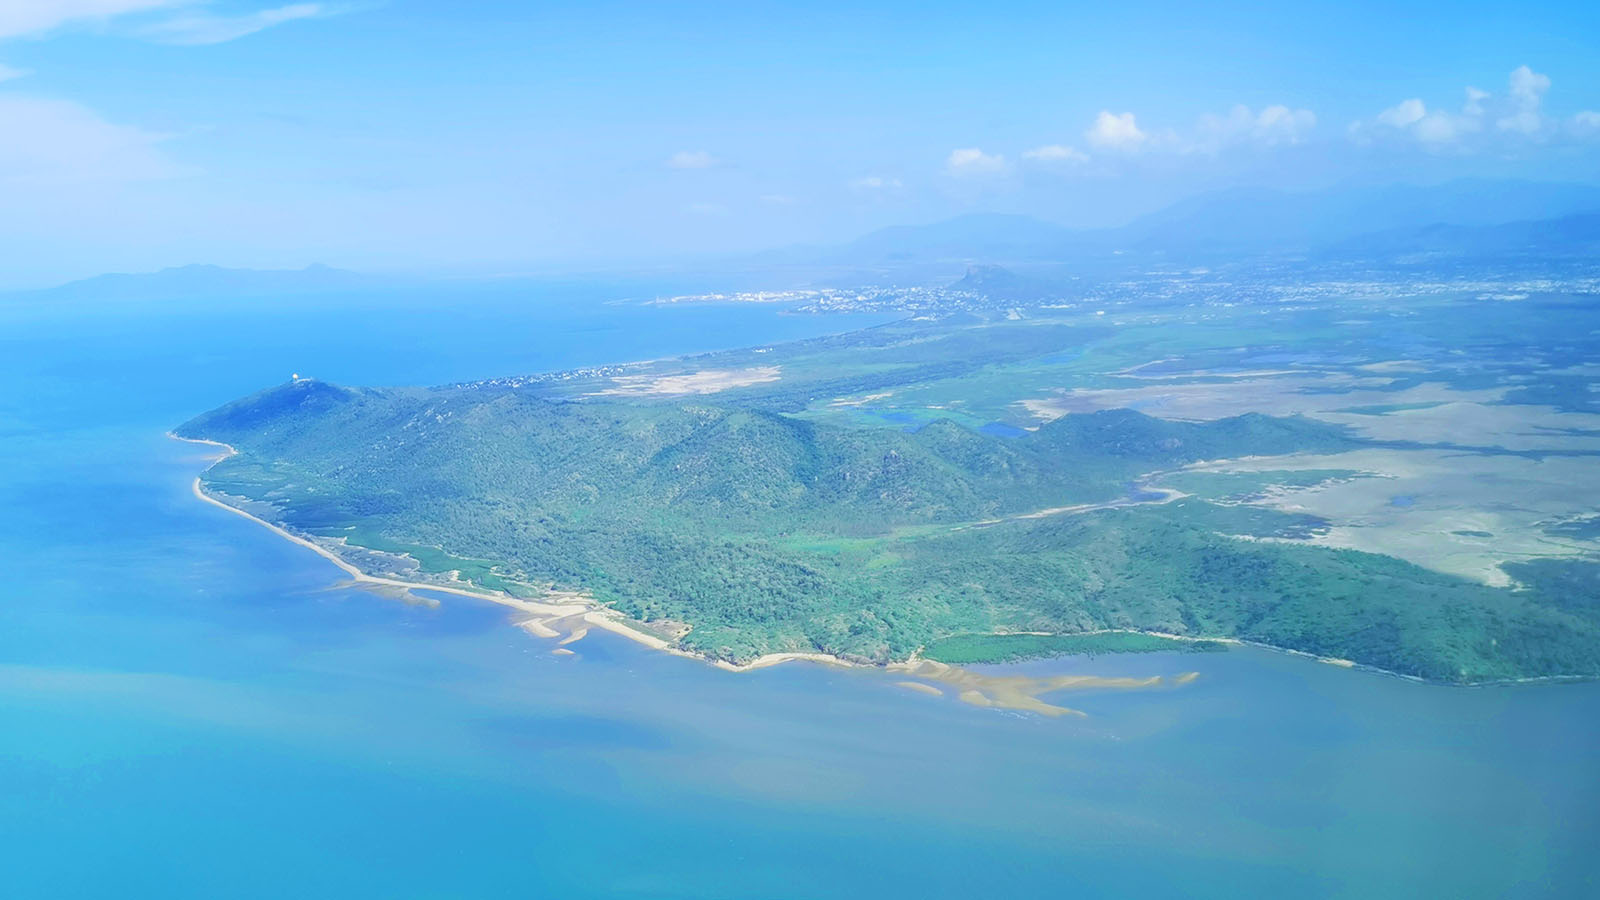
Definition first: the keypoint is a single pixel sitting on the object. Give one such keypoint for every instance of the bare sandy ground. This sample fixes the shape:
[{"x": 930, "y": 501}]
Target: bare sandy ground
[{"x": 708, "y": 381}]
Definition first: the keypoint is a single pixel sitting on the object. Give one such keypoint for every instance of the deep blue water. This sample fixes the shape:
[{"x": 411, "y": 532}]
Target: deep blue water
[{"x": 189, "y": 708}]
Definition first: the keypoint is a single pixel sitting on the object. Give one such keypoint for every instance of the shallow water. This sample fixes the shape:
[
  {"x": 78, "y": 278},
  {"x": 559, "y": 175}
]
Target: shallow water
[{"x": 190, "y": 708}]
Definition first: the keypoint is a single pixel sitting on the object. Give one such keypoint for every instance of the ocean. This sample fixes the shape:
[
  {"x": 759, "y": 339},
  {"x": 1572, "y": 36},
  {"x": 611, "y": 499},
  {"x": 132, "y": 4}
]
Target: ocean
[{"x": 191, "y": 706}]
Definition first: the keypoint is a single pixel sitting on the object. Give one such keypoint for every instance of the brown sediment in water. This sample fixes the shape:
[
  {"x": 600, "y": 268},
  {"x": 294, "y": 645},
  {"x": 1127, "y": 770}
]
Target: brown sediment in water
[
  {"x": 920, "y": 688},
  {"x": 1016, "y": 691},
  {"x": 393, "y": 592}
]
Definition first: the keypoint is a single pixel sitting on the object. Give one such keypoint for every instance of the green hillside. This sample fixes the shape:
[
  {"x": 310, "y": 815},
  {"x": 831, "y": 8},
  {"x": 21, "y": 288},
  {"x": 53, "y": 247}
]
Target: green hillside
[{"x": 765, "y": 531}]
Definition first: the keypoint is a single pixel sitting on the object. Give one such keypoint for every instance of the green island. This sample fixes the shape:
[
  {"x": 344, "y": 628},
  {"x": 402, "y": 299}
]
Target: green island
[{"x": 937, "y": 489}]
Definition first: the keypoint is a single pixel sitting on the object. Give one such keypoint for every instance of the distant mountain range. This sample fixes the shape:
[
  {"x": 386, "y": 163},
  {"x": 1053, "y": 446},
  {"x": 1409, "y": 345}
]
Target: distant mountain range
[
  {"x": 1568, "y": 236},
  {"x": 1545, "y": 240},
  {"x": 1253, "y": 221},
  {"x": 202, "y": 281},
  {"x": 980, "y": 235},
  {"x": 1278, "y": 221},
  {"x": 1474, "y": 221}
]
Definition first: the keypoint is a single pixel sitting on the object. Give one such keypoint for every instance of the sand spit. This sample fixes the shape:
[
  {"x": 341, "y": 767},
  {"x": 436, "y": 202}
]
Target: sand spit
[
  {"x": 537, "y": 628},
  {"x": 920, "y": 688},
  {"x": 1016, "y": 691},
  {"x": 773, "y": 659}
]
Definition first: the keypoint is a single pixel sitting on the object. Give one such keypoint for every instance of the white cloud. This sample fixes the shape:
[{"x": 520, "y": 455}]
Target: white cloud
[
  {"x": 1057, "y": 154},
  {"x": 25, "y": 17},
  {"x": 1445, "y": 128},
  {"x": 1517, "y": 114},
  {"x": 200, "y": 28},
  {"x": 1282, "y": 125},
  {"x": 971, "y": 161},
  {"x": 1475, "y": 100},
  {"x": 1527, "y": 94},
  {"x": 1437, "y": 128},
  {"x": 184, "y": 21},
  {"x": 1406, "y": 112},
  {"x": 1523, "y": 122},
  {"x": 56, "y": 142},
  {"x": 1272, "y": 126},
  {"x": 1115, "y": 132},
  {"x": 1587, "y": 122},
  {"x": 692, "y": 159},
  {"x": 7, "y": 72},
  {"x": 875, "y": 183},
  {"x": 1528, "y": 87}
]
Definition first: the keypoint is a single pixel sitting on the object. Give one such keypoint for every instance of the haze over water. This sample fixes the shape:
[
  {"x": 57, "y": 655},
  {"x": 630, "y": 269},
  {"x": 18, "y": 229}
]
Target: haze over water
[{"x": 191, "y": 706}]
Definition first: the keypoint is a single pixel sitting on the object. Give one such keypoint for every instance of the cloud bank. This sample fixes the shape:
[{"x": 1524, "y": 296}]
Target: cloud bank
[
  {"x": 201, "y": 28},
  {"x": 1485, "y": 121},
  {"x": 163, "y": 21},
  {"x": 55, "y": 142},
  {"x": 692, "y": 159},
  {"x": 971, "y": 162}
]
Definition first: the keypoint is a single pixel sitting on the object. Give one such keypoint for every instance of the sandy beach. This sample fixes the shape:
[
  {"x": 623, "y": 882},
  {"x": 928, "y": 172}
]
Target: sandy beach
[
  {"x": 538, "y": 617},
  {"x": 568, "y": 616}
]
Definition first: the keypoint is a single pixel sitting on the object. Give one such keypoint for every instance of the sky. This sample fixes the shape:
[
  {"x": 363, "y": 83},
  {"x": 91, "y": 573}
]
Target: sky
[{"x": 497, "y": 137}]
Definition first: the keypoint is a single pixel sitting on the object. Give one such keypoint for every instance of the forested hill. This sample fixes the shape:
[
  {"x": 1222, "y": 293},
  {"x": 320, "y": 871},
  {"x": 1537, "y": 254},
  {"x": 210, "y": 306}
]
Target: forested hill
[
  {"x": 765, "y": 531},
  {"x": 687, "y": 461}
]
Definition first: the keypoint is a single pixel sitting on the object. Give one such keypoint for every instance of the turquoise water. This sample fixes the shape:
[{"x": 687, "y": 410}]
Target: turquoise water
[{"x": 189, "y": 706}]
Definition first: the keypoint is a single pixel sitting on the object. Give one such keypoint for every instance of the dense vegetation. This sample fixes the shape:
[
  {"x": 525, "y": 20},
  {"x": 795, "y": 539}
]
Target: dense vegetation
[{"x": 767, "y": 531}]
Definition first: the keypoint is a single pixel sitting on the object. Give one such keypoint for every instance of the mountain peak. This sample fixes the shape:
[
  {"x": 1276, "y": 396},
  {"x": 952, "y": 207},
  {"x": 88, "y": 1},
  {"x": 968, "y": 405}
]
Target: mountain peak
[{"x": 1000, "y": 283}]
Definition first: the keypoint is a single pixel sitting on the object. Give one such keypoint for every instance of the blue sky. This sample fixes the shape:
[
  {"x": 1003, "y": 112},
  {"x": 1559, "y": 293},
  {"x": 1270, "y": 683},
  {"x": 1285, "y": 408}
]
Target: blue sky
[{"x": 485, "y": 137}]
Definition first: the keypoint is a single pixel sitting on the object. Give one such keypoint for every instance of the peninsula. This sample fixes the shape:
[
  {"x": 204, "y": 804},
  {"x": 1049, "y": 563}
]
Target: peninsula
[{"x": 738, "y": 518}]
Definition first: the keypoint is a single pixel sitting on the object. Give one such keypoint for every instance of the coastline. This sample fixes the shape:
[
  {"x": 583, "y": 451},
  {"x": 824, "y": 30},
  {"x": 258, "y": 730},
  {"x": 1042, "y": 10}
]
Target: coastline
[{"x": 539, "y": 617}]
